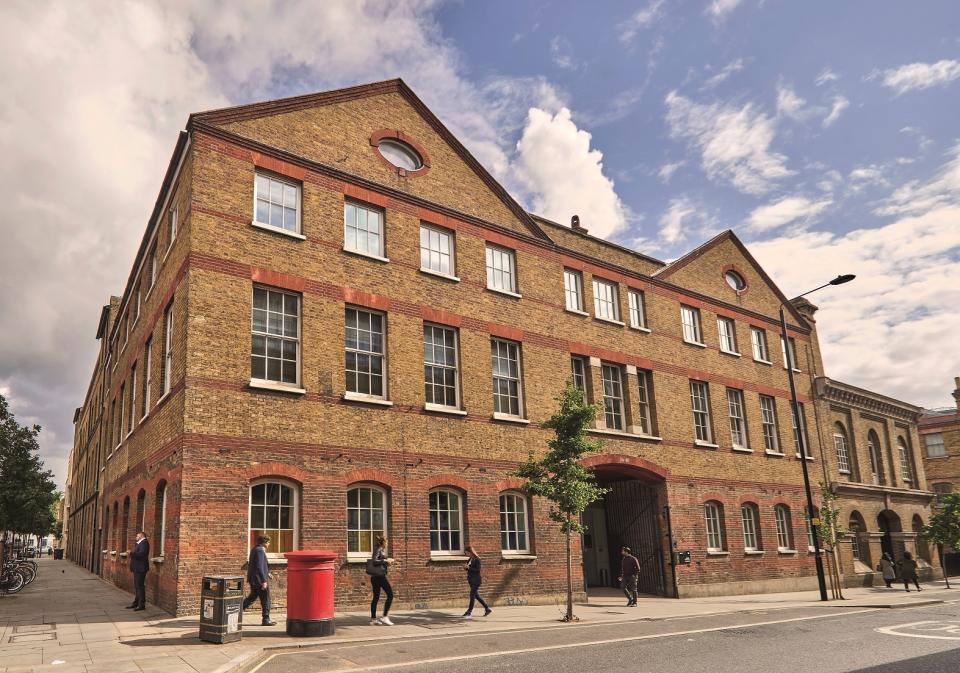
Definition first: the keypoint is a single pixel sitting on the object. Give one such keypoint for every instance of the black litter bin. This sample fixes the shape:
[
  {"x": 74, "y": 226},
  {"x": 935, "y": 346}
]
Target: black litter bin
[
  {"x": 221, "y": 609},
  {"x": 58, "y": 554}
]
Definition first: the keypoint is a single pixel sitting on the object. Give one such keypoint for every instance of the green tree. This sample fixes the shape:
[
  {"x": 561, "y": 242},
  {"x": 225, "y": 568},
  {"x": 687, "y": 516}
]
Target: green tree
[
  {"x": 944, "y": 528},
  {"x": 559, "y": 477},
  {"x": 830, "y": 531}
]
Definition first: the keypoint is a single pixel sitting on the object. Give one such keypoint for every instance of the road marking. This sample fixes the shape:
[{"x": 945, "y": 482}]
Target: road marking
[
  {"x": 564, "y": 646},
  {"x": 926, "y": 629}
]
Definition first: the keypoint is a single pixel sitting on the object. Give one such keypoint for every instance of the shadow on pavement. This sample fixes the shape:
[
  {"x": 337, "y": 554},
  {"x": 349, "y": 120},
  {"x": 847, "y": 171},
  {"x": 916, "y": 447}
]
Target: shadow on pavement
[{"x": 931, "y": 663}]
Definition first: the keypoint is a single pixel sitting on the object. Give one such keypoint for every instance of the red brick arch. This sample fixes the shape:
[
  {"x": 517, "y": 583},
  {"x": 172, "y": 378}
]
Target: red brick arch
[
  {"x": 392, "y": 134},
  {"x": 369, "y": 475},
  {"x": 627, "y": 464},
  {"x": 510, "y": 484},
  {"x": 449, "y": 479},
  {"x": 261, "y": 470}
]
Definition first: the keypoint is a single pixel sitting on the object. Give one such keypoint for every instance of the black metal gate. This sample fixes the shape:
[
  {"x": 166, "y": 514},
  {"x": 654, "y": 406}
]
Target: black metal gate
[{"x": 633, "y": 520}]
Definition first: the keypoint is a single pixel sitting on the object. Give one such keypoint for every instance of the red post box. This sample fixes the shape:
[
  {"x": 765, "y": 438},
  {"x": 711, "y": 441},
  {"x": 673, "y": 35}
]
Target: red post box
[{"x": 310, "y": 593}]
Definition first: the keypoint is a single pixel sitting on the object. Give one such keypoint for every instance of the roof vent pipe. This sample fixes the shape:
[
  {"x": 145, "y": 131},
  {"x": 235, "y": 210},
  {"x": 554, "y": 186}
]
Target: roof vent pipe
[{"x": 575, "y": 224}]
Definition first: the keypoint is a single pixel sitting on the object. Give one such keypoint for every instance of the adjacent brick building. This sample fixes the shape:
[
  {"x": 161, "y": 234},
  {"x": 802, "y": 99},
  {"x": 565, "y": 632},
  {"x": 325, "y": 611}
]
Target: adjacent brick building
[
  {"x": 940, "y": 432},
  {"x": 338, "y": 324}
]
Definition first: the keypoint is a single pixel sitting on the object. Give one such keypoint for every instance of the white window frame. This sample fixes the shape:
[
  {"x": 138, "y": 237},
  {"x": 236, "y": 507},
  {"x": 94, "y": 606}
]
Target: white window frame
[
  {"x": 354, "y": 233},
  {"x": 452, "y": 551},
  {"x": 153, "y": 265},
  {"x": 167, "y": 348},
  {"x": 385, "y": 500},
  {"x": 171, "y": 227},
  {"x": 842, "y": 451},
  {"x": 123, "y": 407},
  {"x": 517, "y": 515},
  {"x": 906, "y": 471},
  {"x": 738, "y": 419},
  {"x": 769, "y": 425},
  {"x": 611, "y": 376},
  {"x": 294, "y": 516},
  {"x": 578, "y": 370},
  {"x": 750, "y": 520},
  {"x": 781, "y": 515},
  {"x": 645, "y": 405},
  {"x": 358, "y": 352},
  {"x": 941, "y": 492},
  {"x": 937, "y": 443},
  {"x": 758, "y": 343},
  {"x": 874, "y": 456},
  {"x": 727, "y": 329},
  {"x": 690, "y": 321},
  {"x": 147, "y": 376},
  {"x": 573, "y": 290},
  {"x": 513, "y": 354},
  {"x": 431, "y": 254},
  {"x": 283, "y": 337},
  {"x": 501, "y": 269},
  {"x": 800, "y": 427},
  {"x": 637, "y": 307},
  {"x": 163, "y": 520},
  {"x": 132, "y": 416},
  {"x": 427, "y": 383},
  {"x": 713, "y": 521},
  {"x": 283, "y": 182},
  {"x": 793, "y": 352},
  {"x": 700, "y": 406},
  {"x": 606, "y": 300}
]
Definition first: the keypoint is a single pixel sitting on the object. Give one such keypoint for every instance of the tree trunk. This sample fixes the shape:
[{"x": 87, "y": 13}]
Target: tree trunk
[
  {"x": 943, "y": 566},
  {"x": 569, "y": 617}
]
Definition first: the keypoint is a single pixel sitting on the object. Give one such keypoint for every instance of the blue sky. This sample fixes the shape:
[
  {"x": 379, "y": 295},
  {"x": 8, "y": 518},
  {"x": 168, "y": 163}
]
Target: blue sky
[{"x": 823, "y": 133}]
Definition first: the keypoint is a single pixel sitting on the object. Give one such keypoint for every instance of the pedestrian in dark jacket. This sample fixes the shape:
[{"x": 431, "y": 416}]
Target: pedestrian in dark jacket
[
  {"x": 908, "y": 571},
  {"x": 140, "y": 565},
  {"x": 258, "y": 575},
  {"x": 377, "y": 569},
  {"x": 629, "y": 569},
  {"x": 887, "y": 569},
  {"x": 474, "y": 581}
]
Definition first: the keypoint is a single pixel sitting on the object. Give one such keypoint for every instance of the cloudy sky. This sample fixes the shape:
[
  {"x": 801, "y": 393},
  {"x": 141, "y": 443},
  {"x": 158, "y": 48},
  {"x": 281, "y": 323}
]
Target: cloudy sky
[{"x": 824, "y": 134}]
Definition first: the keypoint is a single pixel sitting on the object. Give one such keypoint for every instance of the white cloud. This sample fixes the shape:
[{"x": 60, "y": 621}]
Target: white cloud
[
  {"x": 918, "y": 75},
  {"x": 565, "y": 176},
  {"x": 871, "y": 173},
  {"x": 668, "y": 169},
  {"x": 641, "y": 19},
  {"x": 734, "y": 142},
  {"x": 789, "y": 104},
  {"x": 672, "y": 221},
  {"x": 788, "y": 210},
  {"x": 826, "y": 76},
  {"x": 724, "y": 74},
  {"x": 917, "y": 196},
  {"x": 718, "y": 9},
  {"x": 839, "y": 105},
  {"x": 560, "y": 53}
]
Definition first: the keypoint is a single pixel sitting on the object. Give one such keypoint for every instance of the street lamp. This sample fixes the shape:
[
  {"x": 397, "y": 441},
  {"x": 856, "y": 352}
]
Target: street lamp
[{"x": 801, "y": 440}]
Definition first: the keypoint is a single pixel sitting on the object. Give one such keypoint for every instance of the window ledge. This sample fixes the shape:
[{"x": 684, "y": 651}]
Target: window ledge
[
  {"x": 844, "y": 471},
  {"x": 698, "y": 344},
  {"x": 787, "y": 552},
  {"x": 276, "y": 561},
  {"x": 753, "y": 552},
  {"x": 163, "y": 397},
  {"x": 157, "y": 559},
  {"x": 774, "y": 453},
  {"x": 621, "y": 433},
  {"x": 113, "y": 552},
  {"x": 763, "y": 362},
  {"x": 124, "y": 554},
  {"x": 366, "y": 399},
  {"x": 278, "y": 387},
  {"x": 611, "y": 321},
  {"x": 104, "y": 551},
  {"x": 640, "y": 329},
  {"x": 276, "y": 230},
  {"x": 357, "y": 560},
  {"x": 577, "y": 312},
  {"x": 505, "y": 292},
  {"x": 732, "y": 353},
  {"x": 368, "y": 255},
  {"x": 510, "y": 419},
  {"x": 449, "y": 557},
  {"x": 518, "y": 557},
  {"x": 717, "y": 552},
  {"x": 706, "y": 445},
  {"x": 808, "y": 457},
  {"x": 795, "y": 370},
  {"x": 440, "y": 409},
  {"x": 742, "y": 449},
  {"x": 445, "y": 276}
]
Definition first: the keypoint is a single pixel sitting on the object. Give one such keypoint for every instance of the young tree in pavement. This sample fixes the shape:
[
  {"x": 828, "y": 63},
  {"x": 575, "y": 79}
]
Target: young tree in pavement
[
  {"x": 829, "y": 532},
  {"x": 559, "y": 477},
  {"x": 944, "y": 528}
]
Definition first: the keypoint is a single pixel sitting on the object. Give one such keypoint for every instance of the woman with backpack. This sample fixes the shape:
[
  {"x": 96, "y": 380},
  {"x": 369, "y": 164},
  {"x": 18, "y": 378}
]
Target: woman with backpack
[
  {"x": 908, "y": 571},
  {"x": 377, "y": 567},
  {"x": 473, "y": 579}
]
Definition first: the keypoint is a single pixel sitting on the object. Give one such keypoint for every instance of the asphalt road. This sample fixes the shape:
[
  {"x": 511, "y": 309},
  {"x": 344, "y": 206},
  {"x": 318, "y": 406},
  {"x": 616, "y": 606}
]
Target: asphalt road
[{"x": 820, "y": 639}]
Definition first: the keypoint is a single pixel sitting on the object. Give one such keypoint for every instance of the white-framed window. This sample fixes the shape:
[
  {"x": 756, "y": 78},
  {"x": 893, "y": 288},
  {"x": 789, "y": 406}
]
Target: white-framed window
[
  {"x": 437, "y": 250},
  {"x": 501, "y": 269},
  {"x": 933, "y": 443},
  {"x": 171, "y": 227},
  {"x": 768, "y": 423},
  {"x": 800, "y": 429},
  {"x": 138, "y": 304},
  {"x": 841, "y": 448},
  {"x": 781, "y": 514},
  {"x": 276, "y": 203},
  {"x": 441, "y": 382},
  {"x": 645, "y": 401},
  {"x": 758, "y": 341},
  {"x": 123, "y": 406},
  {"x": 514, "y": 526},
  {"x": 855, "y": 541},
  {"x": 872, "y": 449},
  {"x": 147, "y": 377},
  {"x": 738, "y": 420},
  {"x": 809, "y": 527},
  {"x": 573, "y": 290},
  {"x": 605, "y": 304},
  {"x": 638, "y": 313},
  {"x": 167, "y": 373},
  {"x": 690, "y": 317},
  {"x": 363, "y": 229},
  {"x": 578, "y": 374},
  {"x": 942, "y": 491},
  {"x": 274, "y": 512},
  {"x": 612, "y": 376},
  {"x": 793, "y": 353},
  {"x": 446, "y": 522},
  {"x": 713, "y": 518},
  {"x": 275, "y": 336},
  {"x": 364, "y": 347},
  {"x": 727, "y": 330},
  {"x": 132, "y": 419},
  {"x": 750, "y": 518},
  {"x": 507, "y": 384},
  {"x": 152, "y": 265},
  {"x": 904, "y": 453},
  {"x": 161, "y": 529},
  {"x": 366, "y": 519},
  {"x": 110, "y": 430},
  {"x": 700, "y": 403}
]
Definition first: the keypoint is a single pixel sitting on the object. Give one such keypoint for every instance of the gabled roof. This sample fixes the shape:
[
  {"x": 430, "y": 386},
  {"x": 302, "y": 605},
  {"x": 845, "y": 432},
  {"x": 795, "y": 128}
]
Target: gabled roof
[
  {"x": 268, "y": 108},
  {"x": 599, "y": 241},
  {"x": 728, "y": 235}
]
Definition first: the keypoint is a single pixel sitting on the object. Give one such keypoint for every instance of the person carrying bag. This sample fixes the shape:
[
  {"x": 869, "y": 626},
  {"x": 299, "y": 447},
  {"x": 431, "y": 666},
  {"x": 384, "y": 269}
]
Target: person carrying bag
[{"x": 377, "y": 566}]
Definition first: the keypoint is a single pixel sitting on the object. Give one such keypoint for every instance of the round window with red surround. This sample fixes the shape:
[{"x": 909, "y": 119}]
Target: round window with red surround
[
  {"x": 400, "y": 152},
  {"x": 734, "y": 279}
]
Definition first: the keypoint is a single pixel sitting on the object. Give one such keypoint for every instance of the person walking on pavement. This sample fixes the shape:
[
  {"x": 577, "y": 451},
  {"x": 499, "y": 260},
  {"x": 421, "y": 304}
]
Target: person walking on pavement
[
  {"x": 629, "y": 569},
  {"x": 887, "y": 569},
  {"x": 908, "y": 571},
  {"x": 474, "y": 580},
  {"x": 140, "y": 565},
  {"x": 377, "y": 568},
  {"x": 258, "y": 575}
]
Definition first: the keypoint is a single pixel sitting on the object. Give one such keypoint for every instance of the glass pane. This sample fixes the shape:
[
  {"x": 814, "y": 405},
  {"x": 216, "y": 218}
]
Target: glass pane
[
  {"x": 365, "y": 497},
  {"x": 285, "y": 541},
  {"x": 353, "y": 541},
  {"x": 289, "y": 373},
  {"x": 377, "y": 499},
  {"x": 256, "y": 517},
  {"x": 353, "y": 519},
  {"x": 257, "y": 494},
  {"x": 352, "y": 497},
  {"x": 377, "y": 520},
  {"x": 273, "y": 517},
  {"x": 259, "y": 298},
  {"x": 263, "y": 211},
  {"x": 286, "y": 517},
  {"x": 365, "y": 519},
  {"x": 258, "y": 367}
]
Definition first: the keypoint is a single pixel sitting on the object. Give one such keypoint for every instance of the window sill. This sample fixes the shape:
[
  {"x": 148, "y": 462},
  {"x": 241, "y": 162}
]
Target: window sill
[
  {"x": 741, "y": 449},
  {"x": 113, "y": 552},
  {"x": 510, "y": 419},
  {"x": 440, "y": 409},
  {"x": 445, "y": 276},
  {"x": 795, "y": 370},
  {"x": 276, "y": 387},
  {"x": 787, "y": 552},
  {"x": 104, "y": 551},
  {"x": 846, "y": 472},
  {"x": 698, "y": 344},
  {"x": 518, "y": 557},
  {"x": 753, "y": 552},
  {"x": 774, "y": 453},
  {"x": 763, "y": 362},
  {"x": 810, "y": 458},
  {"x": 730, "y": 353},
  {"x": 124, "y": 554},
  {"x": 577, "y": 312},
  {"x": 163, "y": 397},
  {"x": 640, "y": 329},
  {"x": 368, "y": 255},
  {"x": 706, "y": 445},
  {"x": 717, "y": 552},
  {"x": 357, "y": 560},
  {"x": 619, "y": 323},
  {"x": 276, "y": 561},
  {"x": 366, "y": 399},
  {"x": 276, "y": 230},
  {"x": 448, "y": 557},
  {"x": 505, "y": 292},
  {"x": 620, "y": 433},
  {"x": 157, "y": 559}
]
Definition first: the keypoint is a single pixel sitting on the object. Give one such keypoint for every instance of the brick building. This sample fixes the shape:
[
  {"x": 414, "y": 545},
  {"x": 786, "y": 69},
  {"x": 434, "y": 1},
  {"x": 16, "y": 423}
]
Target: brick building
[
  {"x": 940, "y": 432},
  {"x": 338, "y": 324}
]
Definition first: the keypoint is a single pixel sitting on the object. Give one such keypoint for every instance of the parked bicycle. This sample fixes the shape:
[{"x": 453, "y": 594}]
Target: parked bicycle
[{"x": 16, "y": 573}]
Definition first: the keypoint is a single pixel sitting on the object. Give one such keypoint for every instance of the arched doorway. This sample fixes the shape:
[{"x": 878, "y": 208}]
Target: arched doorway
[
  {"x": 631, "y": 515},
  {"x": 888, "y": 522}
]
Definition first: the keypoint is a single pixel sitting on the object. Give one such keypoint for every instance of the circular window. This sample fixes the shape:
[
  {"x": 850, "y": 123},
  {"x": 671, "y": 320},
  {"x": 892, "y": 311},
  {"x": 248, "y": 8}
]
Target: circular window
[
  {"x": 735, "y": 280},
  {"x": 400, "y": 155}
]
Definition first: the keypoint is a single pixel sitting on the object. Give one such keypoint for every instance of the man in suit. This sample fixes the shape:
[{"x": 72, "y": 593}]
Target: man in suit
[
  {"x": 258, "y": 573},
  {"x": 139, "y": 565}
]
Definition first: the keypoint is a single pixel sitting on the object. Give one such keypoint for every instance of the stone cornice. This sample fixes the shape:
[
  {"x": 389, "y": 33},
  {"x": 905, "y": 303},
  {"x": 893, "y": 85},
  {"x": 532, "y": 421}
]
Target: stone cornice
[
  {"x": 854, "y": 489},
  {"x": 865, "y": 400}
]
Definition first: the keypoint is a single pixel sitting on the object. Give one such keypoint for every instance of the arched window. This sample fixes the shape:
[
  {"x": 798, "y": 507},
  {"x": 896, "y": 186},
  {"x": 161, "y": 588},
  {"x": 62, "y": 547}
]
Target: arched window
[
  {"x": 115, "y": 528},
  {"x": 806, "y": 520},
  {"x": 274, "y": 512},
  {"x": 781, "y": 514},
  {"x": 514, "y": 537},
  {"x": 446, "y": 522},
  {"x": 942, "y": 491},
  {"x": 873, "y": 452},
  {"x": 904, "y": 454},
  {"x": 125, "y": 528},
  {"x": 840, "y": 446},
  {"x": 160, "y": 519},
  {"x": 751, "y": 527},
  {"x": 366, "y": 519},
  {"x": 713, "y": 518},
  {"x": 857, "y": 528},
  {"x": 141, "y": 511}
]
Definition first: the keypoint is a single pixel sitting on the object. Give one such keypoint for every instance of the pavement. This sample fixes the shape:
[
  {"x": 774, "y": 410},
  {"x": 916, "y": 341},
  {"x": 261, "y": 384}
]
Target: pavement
[{"x": 71, "y": 621}]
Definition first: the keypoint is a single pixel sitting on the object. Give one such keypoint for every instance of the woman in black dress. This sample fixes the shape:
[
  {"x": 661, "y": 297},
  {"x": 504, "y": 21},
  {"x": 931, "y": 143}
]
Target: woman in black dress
[{"x": 473, "y": 579}]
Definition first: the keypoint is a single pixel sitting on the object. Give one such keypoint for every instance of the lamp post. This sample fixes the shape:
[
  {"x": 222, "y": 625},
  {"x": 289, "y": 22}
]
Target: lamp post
[{"x": 801, "y": 440}]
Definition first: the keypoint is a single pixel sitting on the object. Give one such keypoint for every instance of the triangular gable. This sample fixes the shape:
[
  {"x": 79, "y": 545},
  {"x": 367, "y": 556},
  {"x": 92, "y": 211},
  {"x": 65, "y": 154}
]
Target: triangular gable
[
  {"x": 703, "y": 269},
  {"x": 335, "y": 129}
]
